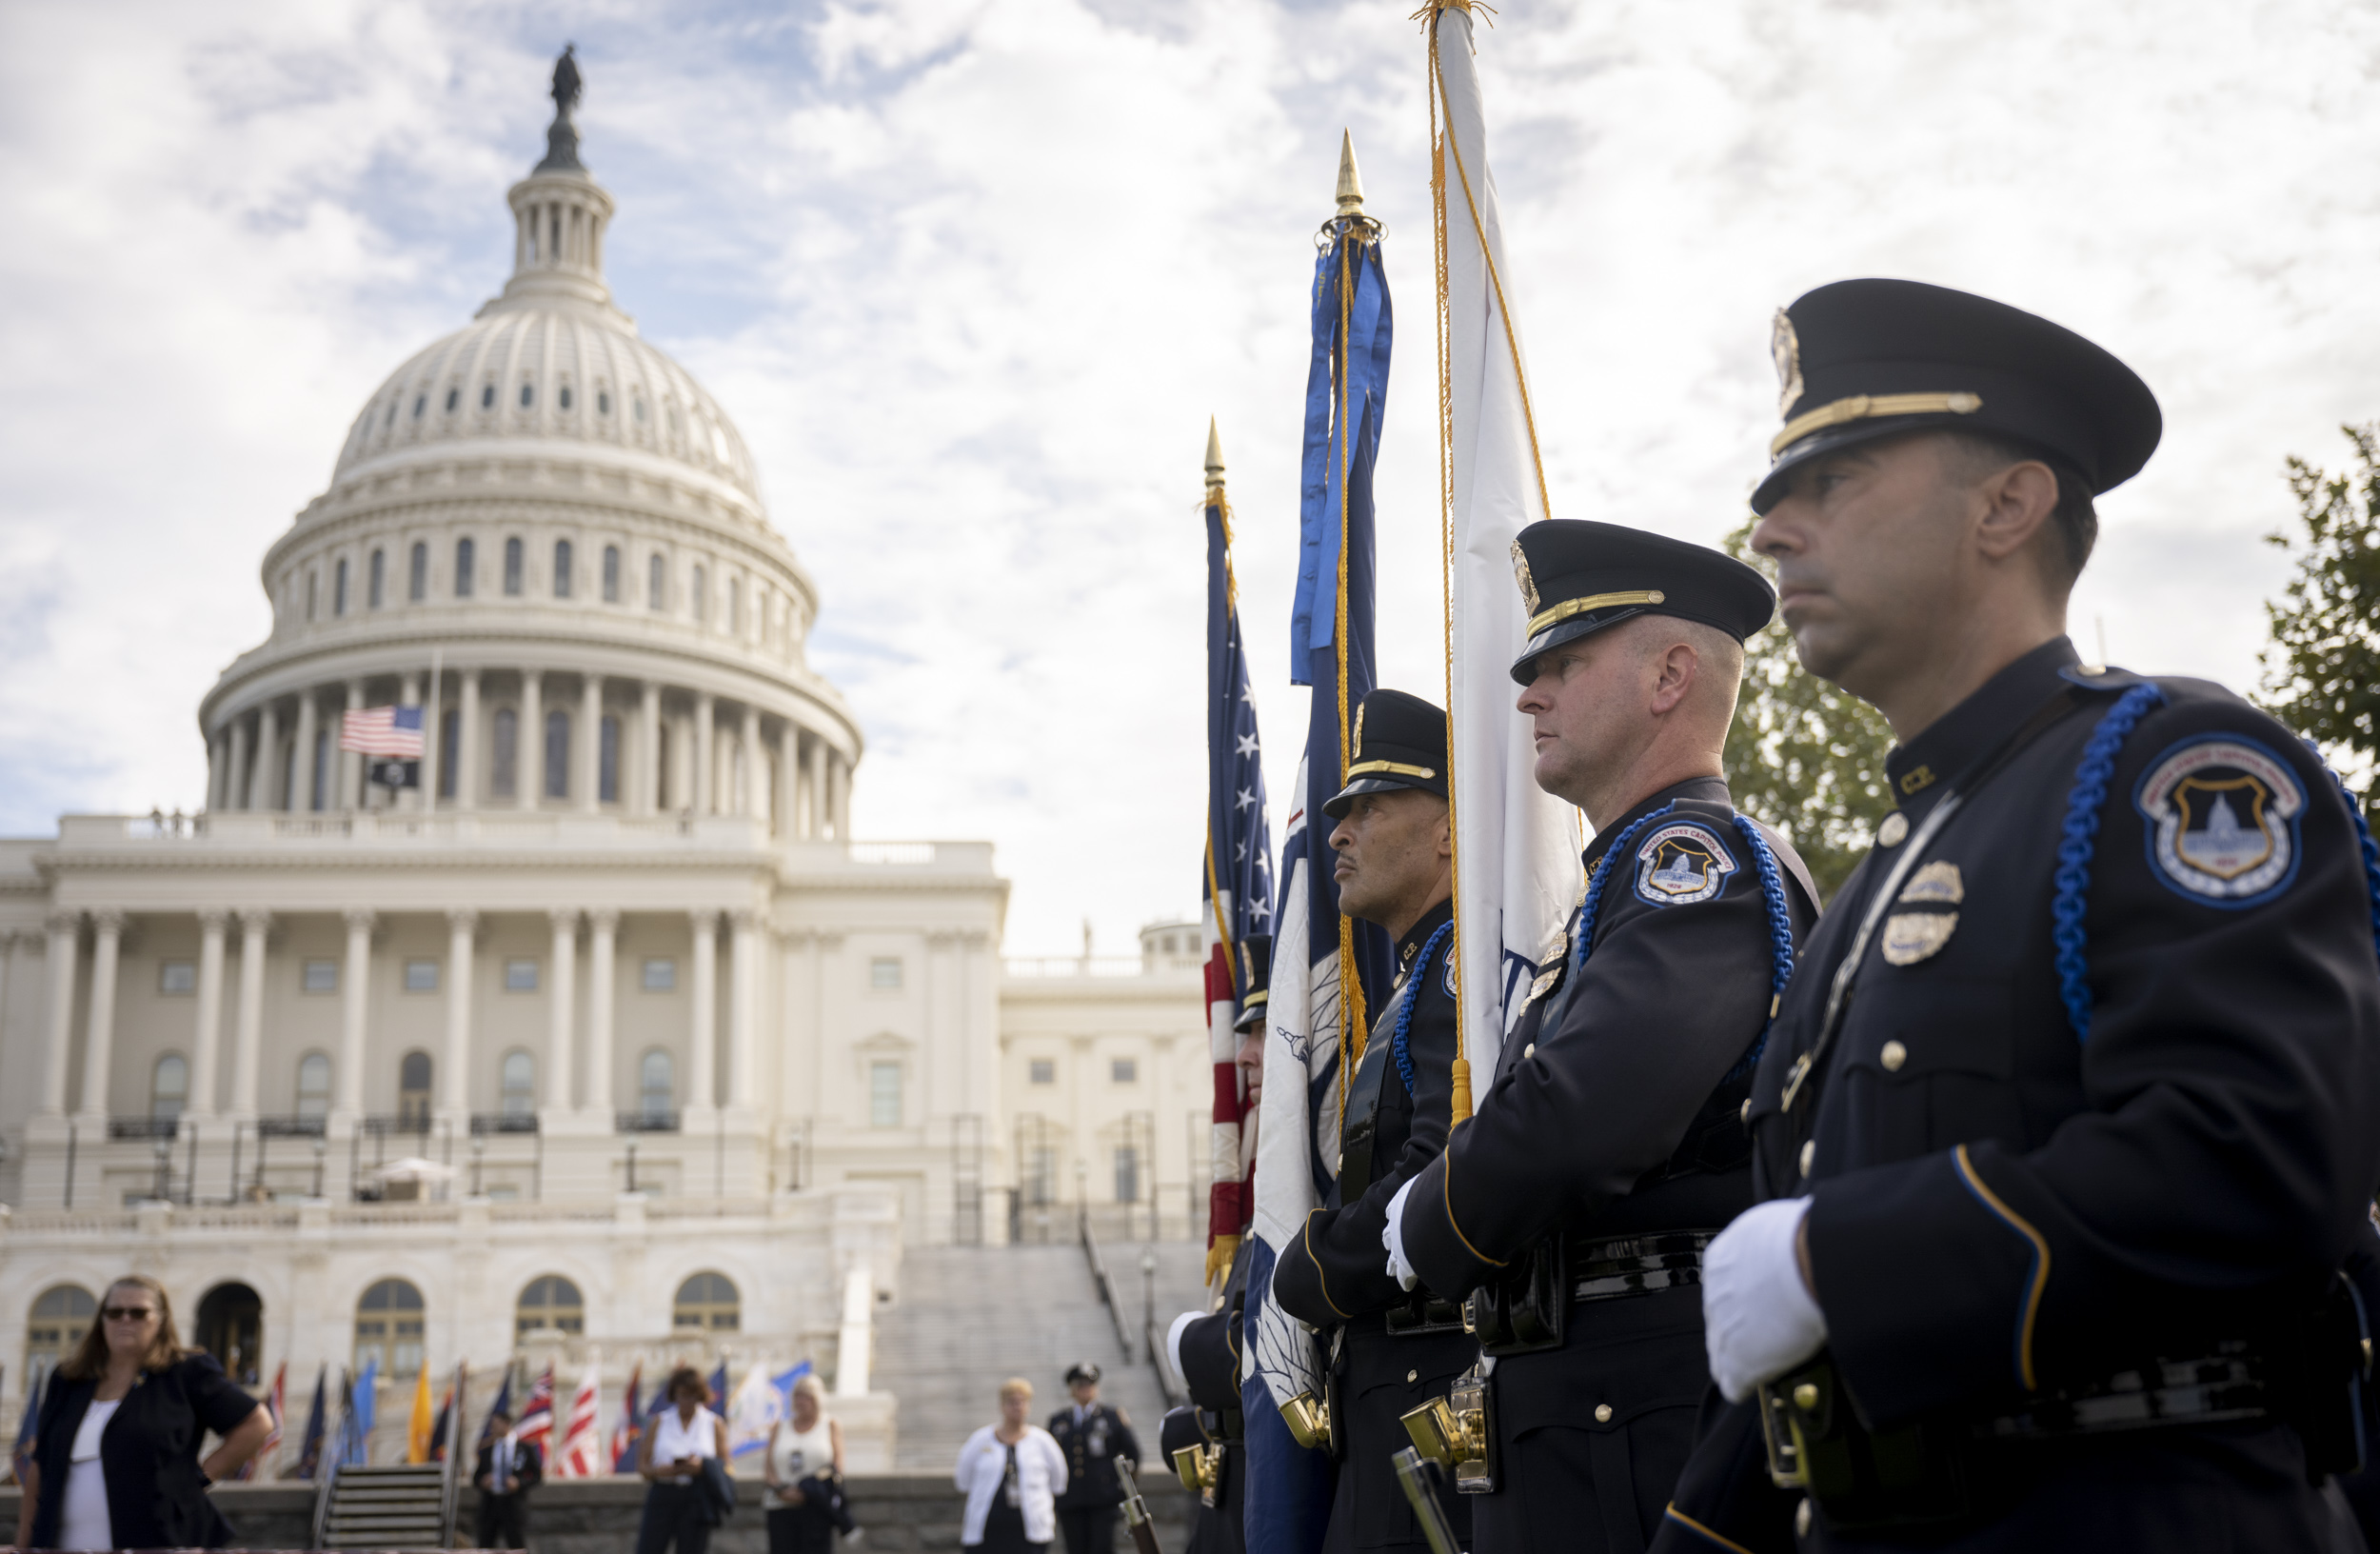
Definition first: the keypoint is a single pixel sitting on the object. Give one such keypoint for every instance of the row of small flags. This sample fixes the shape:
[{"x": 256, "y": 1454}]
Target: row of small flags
[{"x": 758, "y": 1403}]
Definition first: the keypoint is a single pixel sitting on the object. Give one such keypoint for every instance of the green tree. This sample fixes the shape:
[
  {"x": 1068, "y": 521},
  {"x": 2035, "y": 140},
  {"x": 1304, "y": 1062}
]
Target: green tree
[
  {"x": 1804, "y": 755},
  {"x": 2322, "y": 668}
]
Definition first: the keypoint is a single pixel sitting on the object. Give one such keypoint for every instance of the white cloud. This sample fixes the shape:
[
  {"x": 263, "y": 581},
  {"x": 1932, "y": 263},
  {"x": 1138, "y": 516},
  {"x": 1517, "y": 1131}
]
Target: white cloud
[{"x": 971, "y": 276}]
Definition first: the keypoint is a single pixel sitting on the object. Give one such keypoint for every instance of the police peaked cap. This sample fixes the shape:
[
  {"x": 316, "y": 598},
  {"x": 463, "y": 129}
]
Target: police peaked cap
[
  {"x": 1400, "y": 742},
  {"x": 1083, "y": 1370},
  {"x": 1859, "y": 360},
  {"x": 1579, "y": 577},
  {"x": 1256, "y": 952}
]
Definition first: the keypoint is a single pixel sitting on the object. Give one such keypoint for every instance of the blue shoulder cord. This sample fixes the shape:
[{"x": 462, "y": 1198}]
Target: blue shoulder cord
[
  {"x": 2075, "y": 851},
  {"x": 1772, "y": 891},
  {"x": 1397, "y": 1046}
]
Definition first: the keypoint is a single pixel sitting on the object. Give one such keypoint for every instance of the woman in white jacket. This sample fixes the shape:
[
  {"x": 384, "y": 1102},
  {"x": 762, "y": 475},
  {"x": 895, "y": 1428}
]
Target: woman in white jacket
[{"x": 1013, "y": 1474}]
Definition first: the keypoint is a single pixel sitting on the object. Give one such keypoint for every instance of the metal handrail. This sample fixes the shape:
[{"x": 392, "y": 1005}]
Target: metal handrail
[{"x": 1100, "y": 1277}]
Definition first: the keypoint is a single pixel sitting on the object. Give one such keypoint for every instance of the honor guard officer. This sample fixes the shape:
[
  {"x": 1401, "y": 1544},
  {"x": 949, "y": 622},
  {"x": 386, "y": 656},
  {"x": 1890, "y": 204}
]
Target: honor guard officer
[
  {"x": 2072, "y": 1111},
  {"x": 1092, "y": 1435},
  {"x": 1574, "y": 1207},
  {"x": 1390, "y": 1351}
]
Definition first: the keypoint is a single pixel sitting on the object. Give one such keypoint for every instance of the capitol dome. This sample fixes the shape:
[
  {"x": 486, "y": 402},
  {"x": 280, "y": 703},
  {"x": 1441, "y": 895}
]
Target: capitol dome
[{"x": 542, "y": 532}]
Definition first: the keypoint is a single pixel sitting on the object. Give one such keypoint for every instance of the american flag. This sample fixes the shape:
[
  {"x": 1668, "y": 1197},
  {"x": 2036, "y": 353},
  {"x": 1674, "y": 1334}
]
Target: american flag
[
  {"x": 537, "y": 1415},
  {"x": 581, "y": 1453},
  {"x": 393, "y": 732},
  {"x": 1237, "y": 882}
]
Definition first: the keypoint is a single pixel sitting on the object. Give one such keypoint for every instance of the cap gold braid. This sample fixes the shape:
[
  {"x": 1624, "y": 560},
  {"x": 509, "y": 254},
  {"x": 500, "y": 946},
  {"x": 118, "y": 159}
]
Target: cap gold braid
[
  {"x": 1866, "y": 407},
  {"x": 1594, "y": 601}
]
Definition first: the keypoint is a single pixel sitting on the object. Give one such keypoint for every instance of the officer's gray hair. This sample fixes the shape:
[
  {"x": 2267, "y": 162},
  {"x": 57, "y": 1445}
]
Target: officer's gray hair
[{"x": 1977, "y": 455}]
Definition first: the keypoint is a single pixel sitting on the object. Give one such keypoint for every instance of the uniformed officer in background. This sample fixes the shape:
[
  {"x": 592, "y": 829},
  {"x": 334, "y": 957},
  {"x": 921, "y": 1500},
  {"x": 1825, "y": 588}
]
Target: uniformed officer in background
[
  {"x": 1092, "y": 1435},
  {"x": 1610, "y": 1147},
  {"x": 1390, "y": 1351},
  {"x": 2073, "y": 1109}
]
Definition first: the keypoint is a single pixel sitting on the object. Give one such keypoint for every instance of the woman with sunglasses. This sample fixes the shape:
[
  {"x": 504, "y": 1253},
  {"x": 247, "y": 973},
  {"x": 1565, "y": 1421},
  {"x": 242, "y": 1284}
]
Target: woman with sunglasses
[{"x": 115, "y": 1451}]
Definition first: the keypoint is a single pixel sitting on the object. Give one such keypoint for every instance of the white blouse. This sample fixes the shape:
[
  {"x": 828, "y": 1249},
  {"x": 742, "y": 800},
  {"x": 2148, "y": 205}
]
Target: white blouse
[
  {"x": 673, "y": 1438},
  {"x": 1040, "y": 1478},
  {"x": 804, "y": 1454},
  {"x": 87, "y": 1524}
]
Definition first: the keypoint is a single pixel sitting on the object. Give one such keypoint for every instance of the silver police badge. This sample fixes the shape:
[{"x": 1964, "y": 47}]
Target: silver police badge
[
  {"x": 2223, "y": 813},
  {"x": 1913, "y": 936},
  {"x": 1683, "y": 864},
  {"x": 1785, "y": 349}
]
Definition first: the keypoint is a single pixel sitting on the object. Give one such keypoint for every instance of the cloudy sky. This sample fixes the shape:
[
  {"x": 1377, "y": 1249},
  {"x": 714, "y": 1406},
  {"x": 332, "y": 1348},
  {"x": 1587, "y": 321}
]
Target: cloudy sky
[{"x": 971, "y": 275}]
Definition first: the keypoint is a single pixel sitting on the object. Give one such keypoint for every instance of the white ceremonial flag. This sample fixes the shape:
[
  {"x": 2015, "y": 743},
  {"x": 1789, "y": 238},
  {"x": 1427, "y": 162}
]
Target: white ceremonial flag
[{"x": 1515, "y": 845}]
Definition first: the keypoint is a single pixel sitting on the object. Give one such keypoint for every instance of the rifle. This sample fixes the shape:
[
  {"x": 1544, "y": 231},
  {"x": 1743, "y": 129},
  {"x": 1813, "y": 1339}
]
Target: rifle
[
  {"x": 1136, "y": 1509},
  {"x": 1420, "y": 1479}
]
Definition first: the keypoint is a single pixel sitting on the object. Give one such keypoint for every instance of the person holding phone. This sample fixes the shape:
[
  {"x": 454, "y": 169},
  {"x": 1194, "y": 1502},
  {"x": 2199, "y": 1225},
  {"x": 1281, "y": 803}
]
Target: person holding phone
[{"x": 686, "y": 1437}]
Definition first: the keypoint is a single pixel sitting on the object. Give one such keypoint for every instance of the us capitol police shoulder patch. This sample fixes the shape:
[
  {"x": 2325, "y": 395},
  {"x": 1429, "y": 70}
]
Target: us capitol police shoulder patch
[
  {"x": 2223, "y": 812},
  {"x": 1682, "y": 864}
]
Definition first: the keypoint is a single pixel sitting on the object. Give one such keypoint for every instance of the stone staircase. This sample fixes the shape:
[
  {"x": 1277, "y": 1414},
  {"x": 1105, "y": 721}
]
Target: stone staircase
[
  {"x": 386, "y": 1507},
  {"x": 970, "y": 1317}
]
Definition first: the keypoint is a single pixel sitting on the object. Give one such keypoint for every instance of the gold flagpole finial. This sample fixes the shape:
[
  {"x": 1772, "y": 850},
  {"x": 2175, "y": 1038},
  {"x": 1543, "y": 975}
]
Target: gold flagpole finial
[
  {"x": 1214, "y": 456},
  {"x": 1350, "y": 183}
]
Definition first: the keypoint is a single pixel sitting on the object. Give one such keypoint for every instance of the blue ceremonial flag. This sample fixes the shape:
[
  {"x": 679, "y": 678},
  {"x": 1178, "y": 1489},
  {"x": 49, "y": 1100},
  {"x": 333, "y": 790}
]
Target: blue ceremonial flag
[
  {"x": 363, "y": 1409},
  {"x": 719, "y": 1383},
  {"x": 502, "y": 1406},
  {"x": 1237, "y": 880},
  {"x": 311, "y": 1447},
  {"x": 1325, "y": 968}
]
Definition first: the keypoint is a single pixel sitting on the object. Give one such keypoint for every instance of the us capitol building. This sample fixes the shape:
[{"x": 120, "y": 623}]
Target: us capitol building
[{"x": 608, "y": 1037}]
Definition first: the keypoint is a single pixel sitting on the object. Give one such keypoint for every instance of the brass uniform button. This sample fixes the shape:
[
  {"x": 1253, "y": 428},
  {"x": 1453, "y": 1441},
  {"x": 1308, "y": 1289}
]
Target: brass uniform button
[
  {"x": 1894, "y": 1055},
  {"x": 1744, "y": 1113},
  {"x": 1412, "y": 1375},
  {"x": 1893, "y": 831},
  {"x": 1529, "y": 1051},
  {"x": 1806, "y": 1395},
  {"x": 1801, "y": 1518},
  {"x": 1809, "y": 1155},
  {"x": 1602, "y": 1413}
]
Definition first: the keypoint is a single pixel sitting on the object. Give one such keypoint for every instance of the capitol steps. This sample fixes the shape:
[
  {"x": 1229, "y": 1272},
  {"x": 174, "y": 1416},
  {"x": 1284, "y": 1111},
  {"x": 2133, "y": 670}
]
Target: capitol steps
[
  {"x": 386, "y": 1508},
  {"x": 970, "y": 1317}
]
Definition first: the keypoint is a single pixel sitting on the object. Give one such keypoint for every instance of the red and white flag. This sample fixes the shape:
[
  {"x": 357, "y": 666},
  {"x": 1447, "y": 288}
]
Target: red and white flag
[
  {"x": 536, "y": 1424},
  {"x": 392, "y": 732},
  {"x": 581, "y": 1453}
]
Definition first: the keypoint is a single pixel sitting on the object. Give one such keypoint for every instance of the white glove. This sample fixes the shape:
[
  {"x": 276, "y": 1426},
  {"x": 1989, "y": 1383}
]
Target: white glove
[
  {"x": 1393, "y": 1238},
  {"x": 1759, "y": 1319}
]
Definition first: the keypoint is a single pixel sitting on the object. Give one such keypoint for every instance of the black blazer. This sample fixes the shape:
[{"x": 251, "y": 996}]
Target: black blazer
[
  {"x": 528, "y": 1466},
  {"x": 156, "y": 1494}
]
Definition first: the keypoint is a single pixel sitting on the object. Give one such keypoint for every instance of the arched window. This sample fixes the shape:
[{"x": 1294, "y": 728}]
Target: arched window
[
  {"x": 550, "y": 1304},
  {"x": 339, "y": 590},
  {"x": 655, "y": 1087},
  {"x": 465, "y": 554},
  {"x": 611, "y": 574},
  {"x": 561, "y": 569},
  {"x": 519, "y": 1083},
  {"x": 607, "y": 776},
  {"x": 59, "y": 1319},
  {"x": 230, "y": 1326},
  {"x": 701, "y": 594},
  {"x": 376, "y": 581},
  {"x": 388, "y": 1329},
  {"x": 656, "y": 582},
  {"x": 512, "y": 566},
  {"x": 487, "y": 397},
  {"x": 314, "y": 1085},
  {"x": 454, "y": 397},
  {"x": 413, "y": 1091},
  {"x": 504, "y": 761},
  {"x": 421, "y": 403},
  {"x": 707, "y": 1301},
  {"x": 528, "y": 395},
  {"x": 603, "y": 402},
  {"x": 417, "y": 574},
  {"x": 565, "y": 396},
  {"x": 169, "y": 1087},
  {"x": 557, "y": 754}
]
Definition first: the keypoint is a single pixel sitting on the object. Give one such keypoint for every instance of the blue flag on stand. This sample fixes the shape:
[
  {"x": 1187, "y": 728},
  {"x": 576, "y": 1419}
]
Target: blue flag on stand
[
  {"x": 311, "y": 1445},
  {"x": 1327, "y": 969},
  {"x": 363, "y": 1410},
  {"x": 502, "y": 1406},
  {"x": 719, "y": 1384}
]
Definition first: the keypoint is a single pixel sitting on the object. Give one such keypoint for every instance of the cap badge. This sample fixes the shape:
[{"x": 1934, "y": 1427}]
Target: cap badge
[
  {"x": 1785, "y": 348},
  {"x": 1520, "y": 575},
  {"x": 1355, "y": 741}
]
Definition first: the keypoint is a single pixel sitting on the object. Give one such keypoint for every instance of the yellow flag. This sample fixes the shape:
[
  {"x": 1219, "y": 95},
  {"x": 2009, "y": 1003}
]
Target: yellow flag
[{"x": 417, "y": 1431}]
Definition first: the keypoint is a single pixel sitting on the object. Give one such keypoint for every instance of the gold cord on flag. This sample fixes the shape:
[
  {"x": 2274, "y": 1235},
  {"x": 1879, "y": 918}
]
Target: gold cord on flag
[
  {"x": 1444, "y": 147},
  {"x": 1351, "y": 1010}
]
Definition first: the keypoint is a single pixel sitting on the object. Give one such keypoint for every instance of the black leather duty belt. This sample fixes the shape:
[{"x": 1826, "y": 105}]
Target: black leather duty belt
[
  {"x": 1614, "y": 1269},
  {"x": 2226, "y": 1386}
]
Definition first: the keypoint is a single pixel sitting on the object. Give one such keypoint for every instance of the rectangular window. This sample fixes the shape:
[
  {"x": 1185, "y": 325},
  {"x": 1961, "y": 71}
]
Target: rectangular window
[
  {"x": 417, "y": 576},
  {"x": 177, "y": 979},
  {"x": 512, "y": 566},
  {"x": 611, "y": 574},
  {"x": 557, "y": 756},
  {"x": 563, "y": 569},
  {"x": 319, "y": 977},
  {"x": 883, "y": 973},
  {"x": 884, "y": 1095},
  {"x": 660, "y": 974},
  {"x": 1044, "y": 1071},
  {"x": 421, "y": 976},
  {"x": 339, "y": 590},
  {"x": 607, "y": 761},
  {"x": 521, "y": 975},
  {"x": 449, "y": 728},
  {"x": 1127, "y": 1174},
  {"x": 465, "y": 554},
  {"x": 1124, "y": 1072},
  {"x": 503, "y": 763},
  {"x": 656, "y": 582}
]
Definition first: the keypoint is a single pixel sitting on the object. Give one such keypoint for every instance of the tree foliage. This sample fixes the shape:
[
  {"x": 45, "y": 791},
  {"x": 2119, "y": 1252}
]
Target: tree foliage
[
  {"x": 1804, "y": 755},
  {"x": 2321, "y": 672}
]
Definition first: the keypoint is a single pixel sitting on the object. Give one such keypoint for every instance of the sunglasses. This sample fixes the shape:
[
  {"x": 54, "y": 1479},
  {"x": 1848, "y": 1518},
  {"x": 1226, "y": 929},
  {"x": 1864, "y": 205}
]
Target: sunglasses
[{"x": 128, "y": 1313}]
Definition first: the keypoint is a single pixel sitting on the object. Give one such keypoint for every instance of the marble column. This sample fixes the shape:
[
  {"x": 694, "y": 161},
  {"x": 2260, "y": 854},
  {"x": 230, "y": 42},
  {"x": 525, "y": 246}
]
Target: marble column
[
  {"x": 208, "y": 1040},
  {"x": 249, "y": 1034},
  {"x": 703, "y": 1065},
  {"x": 462, "y": 924},
  {"x": 529, "y": 766},
  {"x": 744, "y": 988},
  {"x": 646, "y": 794},
  {"x": 235, "y": 776},
  {"x": 99, "y": 1028},
  {"x": 355, "y": 989},
  {"x": 302, "y": 794},
  {"x": 748, "y": 756},
  {"x": 561, "y": 1015},
  {"x": 350, "y": 763},
  {"x": 264, "y": 774},
  {"x": 467, "y": 736},
  {"x": 218, "y": 749},
  {"x": 591, "y": 742},
  {"x": 839, "y": 787},
  {"x": 705, "y": 787},
  {"x": 814, "y": 823},
  {"x": 602, "y": 924},
  {"x": 788, "y": 779},
  {"x": 65, "y": 931}
]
